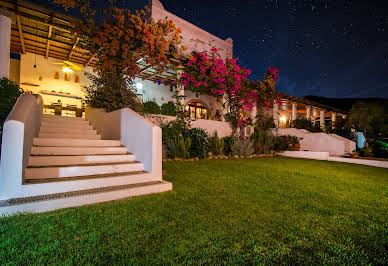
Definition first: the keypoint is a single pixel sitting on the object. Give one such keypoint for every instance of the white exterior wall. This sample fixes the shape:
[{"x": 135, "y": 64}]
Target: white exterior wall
[
  {"x": 43, "y": 75},
  {"x": 154, "y": 92},
  {"x": 318, "y": 142},
  {"x": 5, "y": 42},
  {"x": 194, "y": 38},
  {"x": 14, "y": 70}
]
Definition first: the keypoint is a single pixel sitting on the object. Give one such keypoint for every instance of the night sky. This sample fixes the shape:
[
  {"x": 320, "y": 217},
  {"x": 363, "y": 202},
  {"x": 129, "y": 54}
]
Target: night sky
[{"x": 333, "y": 48}]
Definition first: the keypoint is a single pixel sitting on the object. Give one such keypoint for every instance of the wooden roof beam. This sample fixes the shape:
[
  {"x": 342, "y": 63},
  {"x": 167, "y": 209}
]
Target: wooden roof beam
[
  {"x": 156, "y": 74},
  {"x": 48, "y": 41},
  {"x": 21, "y": 34},
  {"x": 144, "y": 68},
  {"x": 90, "y": 60},
  {"x": 72, "y": 48}
]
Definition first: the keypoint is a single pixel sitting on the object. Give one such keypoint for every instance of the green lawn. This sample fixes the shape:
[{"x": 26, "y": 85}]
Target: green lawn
[{"x": 266, "y": 210}]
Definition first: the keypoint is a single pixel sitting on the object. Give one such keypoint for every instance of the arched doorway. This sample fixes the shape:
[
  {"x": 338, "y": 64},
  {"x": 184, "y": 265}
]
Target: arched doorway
[{"x": 197, "y": 109}]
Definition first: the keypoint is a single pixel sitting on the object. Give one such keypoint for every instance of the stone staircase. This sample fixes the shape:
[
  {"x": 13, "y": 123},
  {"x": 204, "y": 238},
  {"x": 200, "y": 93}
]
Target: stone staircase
[{"x": 69, "y": 149}]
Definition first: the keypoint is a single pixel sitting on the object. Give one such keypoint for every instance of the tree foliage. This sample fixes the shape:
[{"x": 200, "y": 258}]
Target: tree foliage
[
  {"x": 370, "y": 118},
  {"x": 110, "y": 91},
  {"x": 124, "y": 38}
]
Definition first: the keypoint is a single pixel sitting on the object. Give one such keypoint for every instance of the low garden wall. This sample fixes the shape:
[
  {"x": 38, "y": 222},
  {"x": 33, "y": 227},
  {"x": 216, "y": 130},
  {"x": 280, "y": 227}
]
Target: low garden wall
[{"x": 319, "y": 142}]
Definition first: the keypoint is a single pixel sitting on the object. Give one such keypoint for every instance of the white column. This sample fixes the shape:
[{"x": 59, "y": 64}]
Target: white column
[
  {"x": 294, "y": 111},
  {"x": 181, "y": 90},
  {"x": 5, "y": 41},
  {"x": 253, "y": 116},
  {"x": 322, "y": 118},
  {"x": 224, "y": 108},
  {"x": 276, "y": 113},
  {"x": 308, "y": 112},
  {"x": 333, "y": 119}
]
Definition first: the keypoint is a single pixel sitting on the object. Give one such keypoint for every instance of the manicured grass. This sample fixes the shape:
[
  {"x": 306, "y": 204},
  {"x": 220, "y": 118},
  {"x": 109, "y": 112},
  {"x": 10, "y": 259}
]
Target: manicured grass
[{"x": 267, "y": 210}]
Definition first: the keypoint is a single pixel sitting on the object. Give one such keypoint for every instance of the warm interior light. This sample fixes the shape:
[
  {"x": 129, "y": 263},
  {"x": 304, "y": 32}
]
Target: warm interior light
[
  {"x": 67, "y": 70},
  {"x": 283, "y": 119},
  {"x": 139, "y": 86}
]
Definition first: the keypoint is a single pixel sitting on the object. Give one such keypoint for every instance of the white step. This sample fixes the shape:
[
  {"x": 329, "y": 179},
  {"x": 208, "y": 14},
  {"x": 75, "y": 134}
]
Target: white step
[
  {"x": 75, "y": 142},
  {"x": 66, "y": 124},
  {"x": 57, "y": 118},
  {"x": 73, "y": 160},
  {"x": 67, "y": 130},
  {"x": 81, "y": 170},
  {"x": 69, "y": 136},
  {"x": 77, "y": 150},
  {"x": 86, "y": 199}
]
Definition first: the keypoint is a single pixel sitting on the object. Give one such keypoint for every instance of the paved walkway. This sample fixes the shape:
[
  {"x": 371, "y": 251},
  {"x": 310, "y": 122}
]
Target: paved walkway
[{"x": 325, "y": 156}]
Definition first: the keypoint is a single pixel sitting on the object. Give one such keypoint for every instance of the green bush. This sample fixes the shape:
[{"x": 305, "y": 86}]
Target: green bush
[
  {"x": 286, "y": 143},
  {"x": 304, "y": 123},
  {"x": 179, "y": 147},
  {"x": 151, "y": 107},
  {"x": 243, "y": 147},
  {"x": 216, "y": 145},
  {"x": 199, "y": 142},
  {"x": 181, "y": 127},
  {"x": 174, "y": 128},
  {"x": 228, "y": 143},
  {"x": 168, "y": 109},
  {"x": 9, "y": 93},
  {"x": 263, "y": 141},
  {"x": 111, "y": 92}
]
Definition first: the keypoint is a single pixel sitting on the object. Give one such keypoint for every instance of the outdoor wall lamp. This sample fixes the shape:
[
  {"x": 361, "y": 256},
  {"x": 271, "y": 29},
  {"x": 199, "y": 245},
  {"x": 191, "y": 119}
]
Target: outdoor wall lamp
[{"x": 139, "y": 86}]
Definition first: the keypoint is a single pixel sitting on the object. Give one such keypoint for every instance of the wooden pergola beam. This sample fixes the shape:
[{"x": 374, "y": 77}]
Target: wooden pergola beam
[
  {"x": 21, "y": 34},
  {"x": 72, "y": 48},
  {"x": 156, "y": 74},
  {"x": 90, "y": 59},
  {"x": 48, "y": 40},
  {"x": 144, "y": 68}
]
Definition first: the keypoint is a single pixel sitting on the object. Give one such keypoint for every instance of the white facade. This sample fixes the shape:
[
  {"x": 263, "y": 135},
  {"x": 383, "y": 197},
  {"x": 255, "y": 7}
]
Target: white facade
[{"x": 194, "y": 38}]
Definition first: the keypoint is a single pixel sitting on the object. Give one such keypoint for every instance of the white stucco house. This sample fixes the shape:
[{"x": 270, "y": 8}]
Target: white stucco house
[{"x": 57, "y": 154}]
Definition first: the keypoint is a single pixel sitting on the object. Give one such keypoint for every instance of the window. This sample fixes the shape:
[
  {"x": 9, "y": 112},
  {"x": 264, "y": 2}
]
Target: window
[
  {"x": 76, "y": 79},
  {"x": 67, "y": 76},
  {"x": 196, "y": 110},
  {"x": 56, "y": 75}
]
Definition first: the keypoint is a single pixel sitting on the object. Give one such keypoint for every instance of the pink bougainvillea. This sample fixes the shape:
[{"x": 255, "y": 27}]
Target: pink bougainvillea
[{"x": 208, "y": 73}]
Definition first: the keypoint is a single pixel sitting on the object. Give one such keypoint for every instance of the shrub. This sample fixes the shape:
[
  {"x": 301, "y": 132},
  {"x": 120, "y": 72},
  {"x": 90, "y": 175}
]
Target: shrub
[
  {"x": 174, "y": 128},
  {"x": 179, "y": 147},
  {"x": 181, "y": 127},
  {"x": 199, "y": 142},
  {"x": 304, "y": 123},
  {"x": 286, "y": 143},
  {"x": 263, "y": 141},
  {"x": 111, "y": 92},
  {"x": 228, "y": 143},
  {"x": 151, "y": 107},
  {"x": 216, "y": 145},
  {"x": 243, "y": 147},
  {"x": 264, "y": 122},
  {"x": 9, "y": 93},
  {"x": 168, "y": 109}
]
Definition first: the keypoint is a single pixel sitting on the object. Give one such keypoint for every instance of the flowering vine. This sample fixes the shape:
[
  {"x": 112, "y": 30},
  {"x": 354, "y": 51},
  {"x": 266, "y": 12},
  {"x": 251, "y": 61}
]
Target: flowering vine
[{"x": 207, "y": 73}]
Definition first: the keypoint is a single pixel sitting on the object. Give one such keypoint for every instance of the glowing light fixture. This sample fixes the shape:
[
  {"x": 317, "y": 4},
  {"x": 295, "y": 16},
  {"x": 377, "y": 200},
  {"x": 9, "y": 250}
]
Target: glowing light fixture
[
  {"x": 67, "y": 69},
  {"x": 139, "y": 86},
  {"x": 283, "y": 119}
]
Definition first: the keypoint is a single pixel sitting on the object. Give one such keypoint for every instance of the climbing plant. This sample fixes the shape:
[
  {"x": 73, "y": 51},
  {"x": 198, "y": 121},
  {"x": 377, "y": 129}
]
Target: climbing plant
[{"x": 208, "y": 73}]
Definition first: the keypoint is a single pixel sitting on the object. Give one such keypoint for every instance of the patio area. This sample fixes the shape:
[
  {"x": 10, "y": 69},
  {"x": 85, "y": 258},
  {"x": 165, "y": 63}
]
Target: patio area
[{"x": 267, "y": 210}]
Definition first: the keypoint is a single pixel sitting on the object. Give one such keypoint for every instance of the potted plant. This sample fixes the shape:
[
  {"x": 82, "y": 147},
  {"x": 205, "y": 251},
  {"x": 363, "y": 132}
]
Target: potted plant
[{"x": 354, "y": 154}]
